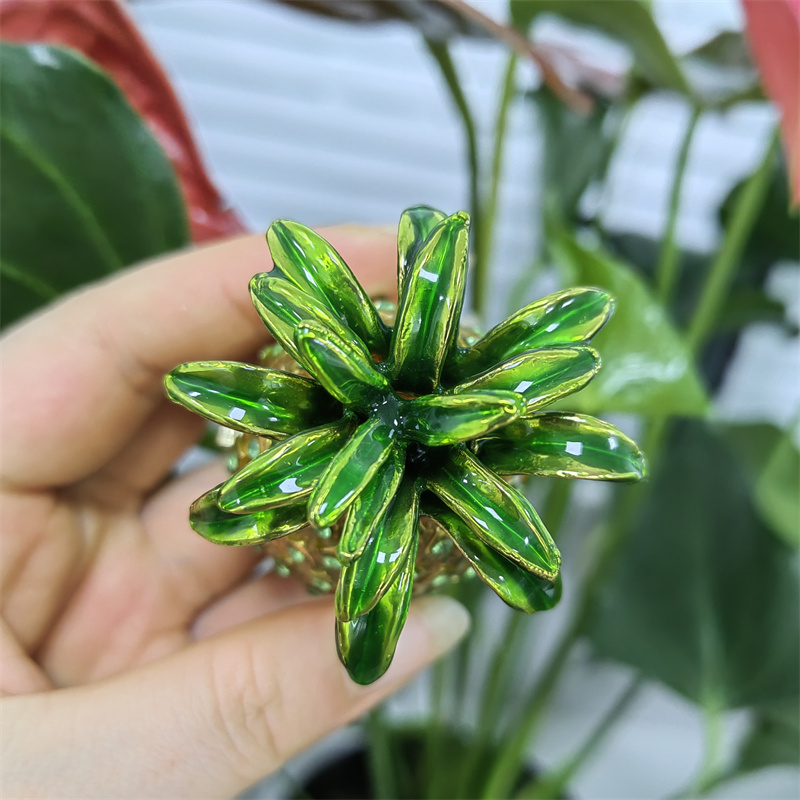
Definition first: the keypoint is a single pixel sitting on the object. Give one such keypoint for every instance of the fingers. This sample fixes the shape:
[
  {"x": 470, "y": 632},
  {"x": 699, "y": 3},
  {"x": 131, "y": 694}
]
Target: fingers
[
  {"x": 80, "y": 379},
  {"x": 212, "y": 720}
]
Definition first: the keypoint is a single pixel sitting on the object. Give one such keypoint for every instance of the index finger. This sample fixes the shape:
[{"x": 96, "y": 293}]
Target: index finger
[{"x": 80, "y": 378}]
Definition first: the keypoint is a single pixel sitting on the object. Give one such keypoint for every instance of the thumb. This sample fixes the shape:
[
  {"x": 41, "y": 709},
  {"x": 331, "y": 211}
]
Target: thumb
[{"x": 212, "y": 719}]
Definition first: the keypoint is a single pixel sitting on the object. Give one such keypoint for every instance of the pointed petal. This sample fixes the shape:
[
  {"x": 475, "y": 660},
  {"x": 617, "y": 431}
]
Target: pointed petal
[
  {"x": 221, "y": 527},
  {"x": 496, "y": 513},
  {"x": 446, "y": 419},
  {"x": 567, "y": 317},
  {"x": 307, "y": 260},
  {"x": 364, "y": 581},
  {"x": 346, "y": 372},
  {"x": 286, "y": 472},
  {"x": 282, "y": 307},
  {"x": 369, "y": 507},
  {"x": 541, "y": 377},
  {"x": 349, "y": 472},
  {"x": 564, "y": 446},
  {"x": 252, "y": 399},
  {"x": 430, "y": 307},
  {"x": 415, "y": 226},
  {"x": 366, "y": 644},
  {"x": 519, "y": 588}
]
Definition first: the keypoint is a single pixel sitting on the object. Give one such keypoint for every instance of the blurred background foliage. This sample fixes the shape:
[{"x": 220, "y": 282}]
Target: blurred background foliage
[{"x": 689, "y": 580}]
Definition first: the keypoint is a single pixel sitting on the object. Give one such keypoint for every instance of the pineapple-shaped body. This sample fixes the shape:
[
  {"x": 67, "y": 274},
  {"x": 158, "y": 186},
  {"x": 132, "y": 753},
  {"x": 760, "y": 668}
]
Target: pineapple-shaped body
[{"x": 396, "y": 423}]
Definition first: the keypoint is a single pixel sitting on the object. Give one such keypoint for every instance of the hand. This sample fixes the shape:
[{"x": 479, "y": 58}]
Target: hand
[{"x": 139, "y": 660}]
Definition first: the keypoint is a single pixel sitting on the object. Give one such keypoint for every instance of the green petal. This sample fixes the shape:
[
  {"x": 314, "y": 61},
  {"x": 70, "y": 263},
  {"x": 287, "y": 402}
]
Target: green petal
[
  {"x": 221, "y": 527},
  {"x": 307, "y": 260},
  {"x": 519, "y": 588},
  {"x": 495, "y": 512},
  {"x": 345, "y": 371},
  {"x": 541, "y": 377},
  {"x": 564, "y": 446},
  {"x": 446, "y": 419},
  {"x": 574, "y": 315},
  {"x": 252, "y": 399},
  {"x": 415, "y": 226},
  {"x": 430, "y": 307},
  {"x": 364, "y": 581},
  {"x": 286, "y": 472},
  {"x": 366, "y": 645},
  {"x": 282, "y": 307},
  {"x": 349, "y": 472},
  {"x": 369, "y": 506}
]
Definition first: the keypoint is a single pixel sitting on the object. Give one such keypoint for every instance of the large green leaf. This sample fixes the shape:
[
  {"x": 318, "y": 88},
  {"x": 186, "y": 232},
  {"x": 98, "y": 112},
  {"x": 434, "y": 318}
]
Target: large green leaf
[
  {"x": 86, "y": 188},
  {"x": 703, "y": 597},
  {"x": 628, "y": 21},
  {"x": 646, "y": 366},
  {"x": 772, "y": 461}
]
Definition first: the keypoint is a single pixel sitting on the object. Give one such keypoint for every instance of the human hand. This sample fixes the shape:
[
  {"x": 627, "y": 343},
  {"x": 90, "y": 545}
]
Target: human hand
[{"x": 139, "y": 660}]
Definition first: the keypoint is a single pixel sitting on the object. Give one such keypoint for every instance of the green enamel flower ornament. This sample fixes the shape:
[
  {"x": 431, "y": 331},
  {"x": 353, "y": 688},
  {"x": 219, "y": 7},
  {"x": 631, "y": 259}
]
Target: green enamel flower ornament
[{"x": 401, "y": 421}]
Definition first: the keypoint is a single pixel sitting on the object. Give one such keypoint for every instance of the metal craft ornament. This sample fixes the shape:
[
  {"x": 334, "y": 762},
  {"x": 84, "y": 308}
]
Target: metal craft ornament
[{"x": 385, "y": 425}]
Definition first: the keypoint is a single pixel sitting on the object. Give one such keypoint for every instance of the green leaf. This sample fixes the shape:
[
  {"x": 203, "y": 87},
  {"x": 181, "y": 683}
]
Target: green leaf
[
  {"x": 517, "y": 587},
  {"x": 773, "y": 740},
  {"x": 368, "y": 508},
  {"x": 771, "y": 458},
  {"x": 415, "y": 227},
  {"x": 437, "y": 420},
  {"x": 366, "y": 644},
  {"x": 307, "y": 260},
  {"x": 251, "y": 399},
  {"x": 349, "y": 472},
  {"x": 496, "y": 513},
  {"x": 345, "y": 371},
  {"x": 647, "y": 366},
  {"x": 541, "y": 377},
  {"x": 222, "y": 527},
  {"x": 87, "y": 188},
  {"x": 628, "y": 21},
  {"x": 285, "y": 473},
  {"x": 366, "y": 579},
  {"x": 283, "y": 307},
  {"x": 568, "y": 317},
  {"x": 564, "y": 446},
  {"x": 430, "y": 308},
  {"x": 703, "y": 597}
]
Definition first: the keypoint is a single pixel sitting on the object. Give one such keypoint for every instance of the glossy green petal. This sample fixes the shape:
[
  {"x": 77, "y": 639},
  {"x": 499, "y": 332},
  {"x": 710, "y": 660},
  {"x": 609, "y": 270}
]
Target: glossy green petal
[
  {"x": 496, "y": 512},
  {"x": 364, "y": 581},
  {"x": 447, "y": 419},
  {"x": 307, "y": 260},
  {"x": 344, "y": 370},
  {"x": 286, "y": 472},
  {"x": 366, "y": 644},
  {"x": 415, "y": 226},
  {"x": 349, "y": 472},
  {"x": 252, "y": 399},
  {"x": 282, "y": 307},
  {"x": 541, "y": 377},
  {"x": 368, "y": 508},
  {"x": 567, "y": 317},
  {"x": 430, "y": 307},
  {"x": 564, "y": 446},
  {"x": 519, "y": 588},
  {"x": 221, "y": 527}
]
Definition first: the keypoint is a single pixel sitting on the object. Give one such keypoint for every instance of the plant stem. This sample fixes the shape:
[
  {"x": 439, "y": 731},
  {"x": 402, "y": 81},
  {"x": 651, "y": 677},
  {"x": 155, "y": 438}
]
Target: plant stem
[
  {"x": 441, "y": 54},
  {"x": 381, "y": 759},
  {"x": 669, "y": 258},
  {"x": 489, "y": 211},
  {"x": 555, "y": 782},
  {"x": 746, "y": 207}
]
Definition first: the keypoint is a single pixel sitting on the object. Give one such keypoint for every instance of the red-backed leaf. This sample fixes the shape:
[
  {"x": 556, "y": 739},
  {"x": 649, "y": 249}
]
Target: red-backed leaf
[
  {"x": 104, "y": 32},
  {"x": 773, "y": 29}
]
